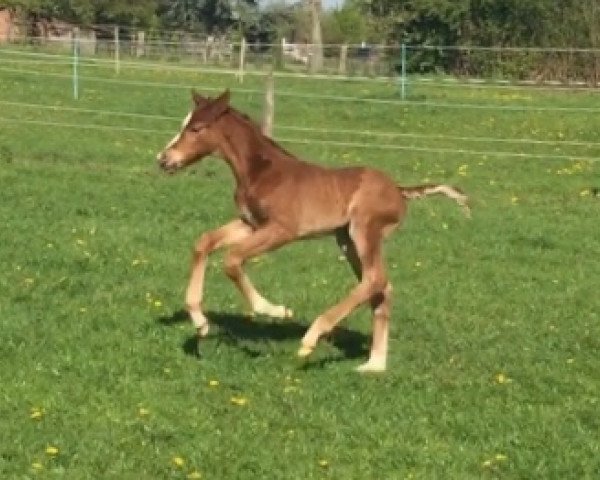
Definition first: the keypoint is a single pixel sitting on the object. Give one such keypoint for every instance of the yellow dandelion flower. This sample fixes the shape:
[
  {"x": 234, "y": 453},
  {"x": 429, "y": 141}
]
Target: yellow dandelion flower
[
  {"x": 178, "y": 462},
  {"x": 487, "y": 464},
  {"x": 213, "y": 383},
  {"x": 52, "y": 450},
  {"x": 194, "y": 475},
  {"x": 36, "y": 413},
  {"x": 323, "y": 463},
  {"x": 500, "y": 457},
  {"x": 37, "y": 466},
  {"x": 239, "y": 401},
  {"x": 157, "y": 303},
  {"x": 501, "y": 379},
  {"x": 143, "y": 412}
]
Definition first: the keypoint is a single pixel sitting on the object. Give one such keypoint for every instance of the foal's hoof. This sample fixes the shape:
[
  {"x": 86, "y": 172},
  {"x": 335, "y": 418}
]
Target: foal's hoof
[
  {"x": 203, "y": 330},
  {"x": 279, "y": 311},
  {"x": 275, "y": 311},
  {"x": 304, "y": 351},
  {"x": 371, "y": 367}
]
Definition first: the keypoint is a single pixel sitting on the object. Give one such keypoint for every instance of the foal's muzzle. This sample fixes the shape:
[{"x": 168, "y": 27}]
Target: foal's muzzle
[{"x": 165, "y": 164}]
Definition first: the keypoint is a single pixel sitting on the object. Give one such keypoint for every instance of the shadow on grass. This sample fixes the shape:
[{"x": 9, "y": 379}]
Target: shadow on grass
[{"x": 237, "y": 330}]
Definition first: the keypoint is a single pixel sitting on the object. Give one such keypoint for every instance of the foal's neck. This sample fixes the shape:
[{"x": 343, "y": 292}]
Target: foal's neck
[{"x": 244, "y": 148}]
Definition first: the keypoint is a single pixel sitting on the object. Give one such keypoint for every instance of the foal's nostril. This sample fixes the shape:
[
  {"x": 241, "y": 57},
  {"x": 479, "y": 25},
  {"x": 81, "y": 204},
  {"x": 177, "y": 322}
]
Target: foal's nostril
[{"x": 163, "y": 161}]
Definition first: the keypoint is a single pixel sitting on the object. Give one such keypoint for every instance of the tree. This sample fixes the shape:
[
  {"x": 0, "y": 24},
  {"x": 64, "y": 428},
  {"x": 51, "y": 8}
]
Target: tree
[
  {"x": 208, "y": 15},
  {"x": 346, "y": 25},
  {"x": 86, "y": 12},
  {"x": 125, "y": 12}
]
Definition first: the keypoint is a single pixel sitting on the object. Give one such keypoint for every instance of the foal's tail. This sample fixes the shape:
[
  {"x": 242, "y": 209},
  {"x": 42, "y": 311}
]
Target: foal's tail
[{"x": 451, "y": 192}]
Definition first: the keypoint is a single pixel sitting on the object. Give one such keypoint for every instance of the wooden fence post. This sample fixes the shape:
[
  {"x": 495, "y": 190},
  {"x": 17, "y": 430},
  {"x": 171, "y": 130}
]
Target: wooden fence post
[
  {"x": 343, "y": 57},
  {"x": 282, "y": 54},
  {"x": 242, "y": 60},
  {"x": 117, "y": 51},
  {"x": 269, "y": 105},
  {"x": 139, "y": 44}
]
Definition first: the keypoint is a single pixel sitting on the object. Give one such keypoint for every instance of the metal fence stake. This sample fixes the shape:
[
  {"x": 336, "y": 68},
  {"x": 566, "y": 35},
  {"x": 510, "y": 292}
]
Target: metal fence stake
[
  {"x": 75, "y": 63},
  {"x": 403, "y": 72}
]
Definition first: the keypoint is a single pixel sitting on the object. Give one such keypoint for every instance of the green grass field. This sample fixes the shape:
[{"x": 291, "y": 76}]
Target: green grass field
[{"x": 495, "y": 339}]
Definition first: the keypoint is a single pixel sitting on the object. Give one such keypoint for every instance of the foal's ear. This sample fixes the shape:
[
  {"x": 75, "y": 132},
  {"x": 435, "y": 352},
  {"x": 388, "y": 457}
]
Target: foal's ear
[
  {"x": 218, "y": 106},
  {"x": 199, "y": 100},
  {"x": 223, "y": 98}
]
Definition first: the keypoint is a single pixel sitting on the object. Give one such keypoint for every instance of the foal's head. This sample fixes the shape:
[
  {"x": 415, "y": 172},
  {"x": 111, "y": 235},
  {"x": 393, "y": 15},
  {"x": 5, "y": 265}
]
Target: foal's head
[{"x": 198, "y": 136}]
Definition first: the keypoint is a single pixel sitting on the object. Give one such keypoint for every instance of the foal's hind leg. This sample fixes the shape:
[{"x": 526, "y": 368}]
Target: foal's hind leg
[
  {"x": 380, "y": 305},
  {"x": 367, "y": 240}
]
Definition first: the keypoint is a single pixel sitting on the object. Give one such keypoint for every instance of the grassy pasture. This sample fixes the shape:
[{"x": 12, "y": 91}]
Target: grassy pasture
[{"x": 493, "y": 369}]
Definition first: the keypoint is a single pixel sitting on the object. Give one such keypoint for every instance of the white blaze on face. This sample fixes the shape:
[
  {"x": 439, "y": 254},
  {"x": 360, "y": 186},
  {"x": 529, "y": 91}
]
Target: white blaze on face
[{"x": 178, "y": 136}]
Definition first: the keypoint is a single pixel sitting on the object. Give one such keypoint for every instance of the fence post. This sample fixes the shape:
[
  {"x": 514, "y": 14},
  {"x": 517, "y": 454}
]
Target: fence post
[
  {"x": 403, "y": 72},
  {"x": 242, "y": 60},
  {"x": 343, "y": 57},
  {"x": 117, "y": 51},
  {"x": 140, "y": 49},
  {"x": 269, "y": 105},
  {"x": 75, "y": 35}
]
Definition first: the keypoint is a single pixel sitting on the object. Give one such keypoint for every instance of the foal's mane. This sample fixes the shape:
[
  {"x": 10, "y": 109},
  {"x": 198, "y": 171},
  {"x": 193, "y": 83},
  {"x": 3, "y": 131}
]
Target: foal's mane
[{"x": 258, "y": 130}]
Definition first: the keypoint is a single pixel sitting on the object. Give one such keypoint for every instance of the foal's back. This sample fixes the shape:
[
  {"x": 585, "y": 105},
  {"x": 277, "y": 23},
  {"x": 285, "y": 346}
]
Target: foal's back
[{"x": 319, "y": 199}]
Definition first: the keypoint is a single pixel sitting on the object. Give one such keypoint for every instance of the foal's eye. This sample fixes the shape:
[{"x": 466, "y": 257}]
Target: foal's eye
[{"x": 197, "y": 128}]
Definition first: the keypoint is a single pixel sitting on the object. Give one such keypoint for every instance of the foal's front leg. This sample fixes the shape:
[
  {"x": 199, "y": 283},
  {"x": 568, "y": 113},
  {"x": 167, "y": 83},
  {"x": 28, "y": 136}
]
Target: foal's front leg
[
  {"x": 262, "y": 240},
  {"x": 232, "y": 232}
]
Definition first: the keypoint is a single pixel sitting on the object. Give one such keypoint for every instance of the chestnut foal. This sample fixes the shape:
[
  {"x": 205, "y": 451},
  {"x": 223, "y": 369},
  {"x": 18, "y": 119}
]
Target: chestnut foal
[{"x": 281, "y": 198}]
